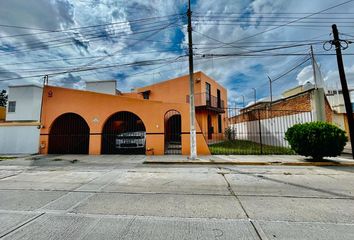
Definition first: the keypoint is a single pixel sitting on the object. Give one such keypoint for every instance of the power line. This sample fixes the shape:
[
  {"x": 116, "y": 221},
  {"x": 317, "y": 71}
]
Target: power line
[
  {"x": 243, "y": 17},
  {"x": 290, "y": 70},
  {"x": 293, "y": 21},
  {"x": 274, "y": 46},
  {"x": 90, "y": 57},
  {"x": 260, "y": 50},
  {"x": 259, "y": 21},
  {"x": 41, "y": 45},
  {"x": 83, "y": 27},
  {"x": 279, "y": 13},
  {"x": 138, "y": 63},
  {"x": 130, "y": 45},
  {"x": 99, "y": 32}
]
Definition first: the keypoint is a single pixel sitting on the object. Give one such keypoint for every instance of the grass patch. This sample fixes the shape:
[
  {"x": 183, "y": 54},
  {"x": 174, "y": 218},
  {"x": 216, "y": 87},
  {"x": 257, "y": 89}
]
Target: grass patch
[{"x": 243, "y": 147}]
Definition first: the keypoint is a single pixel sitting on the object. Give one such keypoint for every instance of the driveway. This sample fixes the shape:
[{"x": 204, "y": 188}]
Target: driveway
[{"x": 119, "y": 197}]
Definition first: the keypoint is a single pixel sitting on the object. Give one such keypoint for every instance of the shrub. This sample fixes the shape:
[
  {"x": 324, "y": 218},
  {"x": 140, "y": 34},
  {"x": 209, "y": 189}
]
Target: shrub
[
  {"x": 230, "y": 133},
  {"x": 316, "y": 139}
]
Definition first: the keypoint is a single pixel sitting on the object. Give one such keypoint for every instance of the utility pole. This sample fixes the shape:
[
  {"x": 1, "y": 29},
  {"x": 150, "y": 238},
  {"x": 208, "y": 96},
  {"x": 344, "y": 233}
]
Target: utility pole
[
  {"x": 193, "y": 136},
  {"x": 313, "y": 67},
  {"x": 270, "y": 90},
  {"x": 255, "y": 95},
  {"x": 243, "y": 101},
  {"x": 348, "y": 106}
]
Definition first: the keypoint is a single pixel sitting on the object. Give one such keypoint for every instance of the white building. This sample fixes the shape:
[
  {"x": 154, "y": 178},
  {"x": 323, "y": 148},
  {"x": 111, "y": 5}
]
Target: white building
[
  {"x": 24, "y": 103},
  {"x": 107, "y": 87},
  {"x": 19, "y": 134}
]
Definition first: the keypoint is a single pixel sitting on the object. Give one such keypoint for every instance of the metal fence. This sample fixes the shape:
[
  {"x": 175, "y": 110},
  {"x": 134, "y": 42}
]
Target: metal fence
[{"x": 258, "y": 131}]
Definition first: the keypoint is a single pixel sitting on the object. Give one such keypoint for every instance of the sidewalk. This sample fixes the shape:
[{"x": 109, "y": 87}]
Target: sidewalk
[
  {"x": 348, "y": 148},
  {"x": 285, "y": 160}
]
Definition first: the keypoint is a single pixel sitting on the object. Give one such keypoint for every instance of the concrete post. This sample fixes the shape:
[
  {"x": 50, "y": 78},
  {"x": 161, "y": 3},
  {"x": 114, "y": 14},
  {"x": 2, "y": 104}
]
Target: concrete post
[{"x": 319, "y": 104}]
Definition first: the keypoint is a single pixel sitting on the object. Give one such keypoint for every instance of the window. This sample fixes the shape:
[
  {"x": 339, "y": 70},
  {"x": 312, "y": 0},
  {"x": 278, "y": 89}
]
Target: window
[
  {"x": 146, "y": 94},
  {"x": 219, "y": 124},
  {"x": 12, "y": 106},
  {"x": 218, "y": 94},
  {"x": 208, "y": 93}
]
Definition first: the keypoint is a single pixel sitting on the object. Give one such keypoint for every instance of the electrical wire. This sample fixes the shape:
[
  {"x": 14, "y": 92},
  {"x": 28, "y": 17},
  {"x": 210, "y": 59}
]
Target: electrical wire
[
  {"x": 83, "y": 27},
  {"x": 138, "y": 63},
  {"x": 293, "y": 21}
]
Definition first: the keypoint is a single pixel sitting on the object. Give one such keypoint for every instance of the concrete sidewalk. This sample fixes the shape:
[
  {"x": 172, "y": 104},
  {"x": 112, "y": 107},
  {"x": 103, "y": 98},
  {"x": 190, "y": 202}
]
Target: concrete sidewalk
[{"x": 286, "y": 160}]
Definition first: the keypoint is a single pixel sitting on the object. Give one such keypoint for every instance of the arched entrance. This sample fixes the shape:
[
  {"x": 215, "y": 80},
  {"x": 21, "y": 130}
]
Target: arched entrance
[
  {"x": 123, "y": 133},
  {"x": 69, "y": 134},
  {"x": 173, "y": 131}
]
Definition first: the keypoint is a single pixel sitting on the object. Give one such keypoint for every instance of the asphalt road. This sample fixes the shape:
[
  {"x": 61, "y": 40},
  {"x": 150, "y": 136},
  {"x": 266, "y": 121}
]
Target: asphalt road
[{"x": 118, "y": 197}]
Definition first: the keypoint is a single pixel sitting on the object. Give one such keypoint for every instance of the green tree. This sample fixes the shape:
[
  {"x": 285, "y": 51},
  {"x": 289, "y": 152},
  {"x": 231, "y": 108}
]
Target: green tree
[{"x": 3, "y": 98}]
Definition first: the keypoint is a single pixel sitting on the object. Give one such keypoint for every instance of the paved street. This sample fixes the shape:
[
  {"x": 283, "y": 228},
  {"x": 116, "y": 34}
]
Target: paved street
[{"x": 119, "y": 197}]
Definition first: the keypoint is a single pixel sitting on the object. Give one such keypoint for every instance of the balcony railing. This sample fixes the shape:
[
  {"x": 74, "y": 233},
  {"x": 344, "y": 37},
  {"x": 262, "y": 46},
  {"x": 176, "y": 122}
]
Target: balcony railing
[{"x": 208, "y": 101}]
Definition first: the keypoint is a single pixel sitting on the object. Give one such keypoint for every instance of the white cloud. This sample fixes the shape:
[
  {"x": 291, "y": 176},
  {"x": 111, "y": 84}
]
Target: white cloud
[
  {"x": 239, "y": 73},
  {"x": 305, "y": 75}
]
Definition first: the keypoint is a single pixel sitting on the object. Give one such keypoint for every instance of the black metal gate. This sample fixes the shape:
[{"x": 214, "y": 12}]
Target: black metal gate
[
  {"x": 173, "y": 131},
  {"x": 254, "y": 131},
  {"x": 69, "y": 134},
  {"x": 123, "y": 133}
]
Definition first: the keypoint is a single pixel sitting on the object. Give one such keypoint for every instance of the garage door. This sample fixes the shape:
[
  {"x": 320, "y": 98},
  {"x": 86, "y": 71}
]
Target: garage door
[
  {"x": 123, "y": 133},
  {"x": 69, "y": 134}
]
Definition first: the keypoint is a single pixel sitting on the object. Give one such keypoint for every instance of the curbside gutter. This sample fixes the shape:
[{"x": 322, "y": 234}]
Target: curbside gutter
[{"x": 204, "y": 162}]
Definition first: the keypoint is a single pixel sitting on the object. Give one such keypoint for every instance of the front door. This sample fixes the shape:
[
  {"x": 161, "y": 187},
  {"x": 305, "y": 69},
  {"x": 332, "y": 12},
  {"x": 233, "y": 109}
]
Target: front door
[{"x": 210, "y": 128}]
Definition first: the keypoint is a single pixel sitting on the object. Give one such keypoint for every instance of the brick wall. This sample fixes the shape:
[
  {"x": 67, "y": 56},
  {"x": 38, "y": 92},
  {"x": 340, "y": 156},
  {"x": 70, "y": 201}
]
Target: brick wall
[
  {"x": 283, "y": 107},
  {"x": 289, "y": 106},
  {"x": 297, "y": 103},
  {"x": 328, "y": 111}
]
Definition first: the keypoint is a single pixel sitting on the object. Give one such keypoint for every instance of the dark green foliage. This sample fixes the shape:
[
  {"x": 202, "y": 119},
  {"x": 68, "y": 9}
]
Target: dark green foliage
[
  {"x": 3, "y": 98},
  {"x": 316, "y": 139},
  {"x": 230, "y": 133}
]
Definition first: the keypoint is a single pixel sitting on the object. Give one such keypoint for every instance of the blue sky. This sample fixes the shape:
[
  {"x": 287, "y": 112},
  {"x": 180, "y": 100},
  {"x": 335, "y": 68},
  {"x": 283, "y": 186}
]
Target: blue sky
[{"x": 50, "y": 36}]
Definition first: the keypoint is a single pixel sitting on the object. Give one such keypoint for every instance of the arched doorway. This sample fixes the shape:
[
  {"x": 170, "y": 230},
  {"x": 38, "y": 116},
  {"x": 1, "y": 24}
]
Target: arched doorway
[
  {"x": 123, "y": 133},
  {"x": 69, "y": 134},
  {"x": 173, "y": 131}
]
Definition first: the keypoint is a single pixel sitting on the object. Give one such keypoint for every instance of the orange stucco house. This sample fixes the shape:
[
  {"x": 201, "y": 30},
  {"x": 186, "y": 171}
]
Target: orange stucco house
[{"x": 156, "y": 118}]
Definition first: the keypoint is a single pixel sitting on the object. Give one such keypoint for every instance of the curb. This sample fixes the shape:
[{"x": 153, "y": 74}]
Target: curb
[{"x": 341, "y": 164}]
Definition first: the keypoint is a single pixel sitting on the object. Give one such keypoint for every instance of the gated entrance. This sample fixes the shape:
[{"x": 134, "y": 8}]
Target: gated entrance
[
  {"x": 123, "y": 133},
  {"x": 173, "y": 132},
  {"x": 69, "y": 134}
]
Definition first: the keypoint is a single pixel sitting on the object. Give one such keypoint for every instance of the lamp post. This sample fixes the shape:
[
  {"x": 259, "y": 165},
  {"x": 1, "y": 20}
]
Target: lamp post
[
  {"x": 243, "y": 100},
  {"x": 255, "y": 95}
]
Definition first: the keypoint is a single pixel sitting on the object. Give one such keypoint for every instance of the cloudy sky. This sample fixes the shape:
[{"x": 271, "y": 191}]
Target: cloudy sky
[{"x": 139, "y": 42}]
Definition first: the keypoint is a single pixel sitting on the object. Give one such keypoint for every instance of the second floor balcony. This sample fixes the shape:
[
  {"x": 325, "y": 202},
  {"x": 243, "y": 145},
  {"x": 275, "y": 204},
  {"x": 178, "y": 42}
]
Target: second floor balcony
[{"x": 204, "y": 101}]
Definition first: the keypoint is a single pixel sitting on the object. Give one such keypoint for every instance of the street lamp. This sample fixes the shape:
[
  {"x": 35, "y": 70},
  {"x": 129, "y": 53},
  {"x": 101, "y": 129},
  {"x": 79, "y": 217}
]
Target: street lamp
[
  {"x": 255, "y": 94},
  {"x": 243, "y": 100}
]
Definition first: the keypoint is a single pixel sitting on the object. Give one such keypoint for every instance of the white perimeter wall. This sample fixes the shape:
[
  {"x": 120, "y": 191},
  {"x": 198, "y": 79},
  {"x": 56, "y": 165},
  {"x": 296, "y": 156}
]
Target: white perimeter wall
[
  {"x": 272, "y": 129},
  {"x": 19, "y": 139}
]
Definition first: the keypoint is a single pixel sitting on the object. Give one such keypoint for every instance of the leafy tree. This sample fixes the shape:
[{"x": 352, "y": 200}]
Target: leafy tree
[{"x": 3, "y": 98}]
